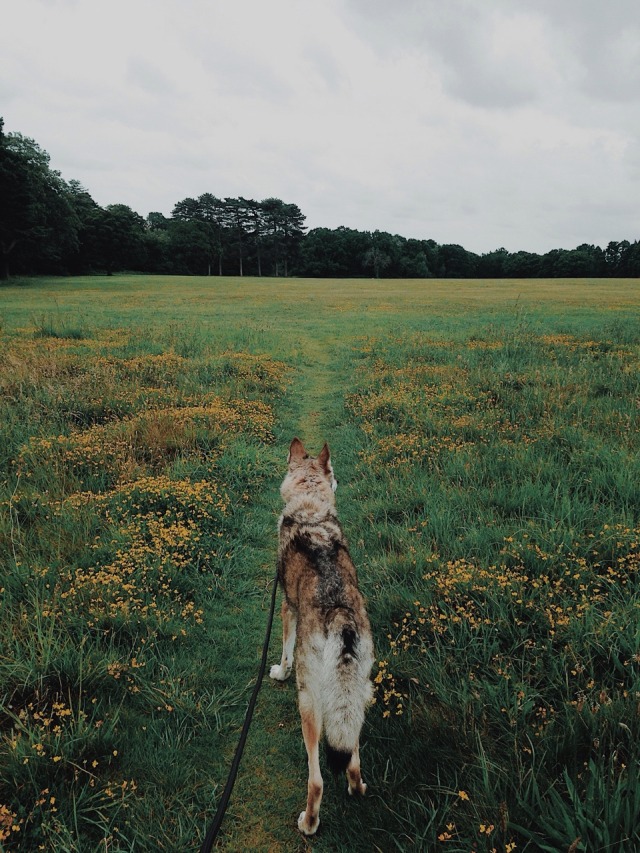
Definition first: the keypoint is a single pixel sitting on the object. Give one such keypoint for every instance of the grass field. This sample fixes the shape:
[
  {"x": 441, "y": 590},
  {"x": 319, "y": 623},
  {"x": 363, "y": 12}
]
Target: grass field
[{"x": 485, "y": 437}]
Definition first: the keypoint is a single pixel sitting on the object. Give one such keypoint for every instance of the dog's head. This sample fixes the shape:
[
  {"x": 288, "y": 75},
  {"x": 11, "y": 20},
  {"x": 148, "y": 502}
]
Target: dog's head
[{"x": 308, "y": 473}]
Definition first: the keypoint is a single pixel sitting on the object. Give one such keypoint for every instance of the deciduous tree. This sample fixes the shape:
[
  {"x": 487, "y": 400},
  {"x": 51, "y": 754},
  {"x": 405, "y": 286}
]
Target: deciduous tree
[{"x": 38, "y": 225}]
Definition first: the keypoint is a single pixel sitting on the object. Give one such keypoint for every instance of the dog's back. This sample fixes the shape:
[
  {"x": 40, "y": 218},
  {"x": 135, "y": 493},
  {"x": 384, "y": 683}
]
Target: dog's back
[
  {"x": 324, "y": 606},
  {"x": 334, "y": 648}
]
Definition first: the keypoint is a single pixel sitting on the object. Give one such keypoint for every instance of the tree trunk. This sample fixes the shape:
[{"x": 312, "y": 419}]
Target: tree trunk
[{"x": 4, "y": 259}]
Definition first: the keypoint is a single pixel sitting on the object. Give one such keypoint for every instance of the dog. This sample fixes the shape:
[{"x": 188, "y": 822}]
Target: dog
[{"x": 324, "y": 609}]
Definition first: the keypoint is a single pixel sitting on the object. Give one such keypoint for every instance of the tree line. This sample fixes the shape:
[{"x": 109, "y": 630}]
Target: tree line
[{"x": 52, "y": 226}]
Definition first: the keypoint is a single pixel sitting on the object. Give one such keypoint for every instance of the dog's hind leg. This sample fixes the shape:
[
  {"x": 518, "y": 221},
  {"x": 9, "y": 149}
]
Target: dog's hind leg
[
  {"x": 311, "y": 731},
  {"x": 282, "y": 670},
  {"x": 356, "y": 785}
]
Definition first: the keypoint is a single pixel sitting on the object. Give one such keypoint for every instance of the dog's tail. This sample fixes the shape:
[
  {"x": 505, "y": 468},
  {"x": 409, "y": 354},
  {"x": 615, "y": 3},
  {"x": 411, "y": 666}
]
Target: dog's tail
[{"x": 346, "y": 687}]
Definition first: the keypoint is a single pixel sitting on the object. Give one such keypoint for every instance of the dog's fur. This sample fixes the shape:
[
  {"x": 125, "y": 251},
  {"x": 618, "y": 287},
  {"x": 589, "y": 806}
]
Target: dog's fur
[{"x": 323, "y": 606}]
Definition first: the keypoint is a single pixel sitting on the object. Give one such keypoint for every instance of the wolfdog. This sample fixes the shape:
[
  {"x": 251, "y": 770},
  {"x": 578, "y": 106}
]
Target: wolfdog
[{"x": 324, "y": 607}]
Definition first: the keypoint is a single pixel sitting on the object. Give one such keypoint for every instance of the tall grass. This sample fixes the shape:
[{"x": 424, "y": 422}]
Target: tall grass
[
  {"x": 485, "y": 439},
  {"x": 500, "y": 475},
  {"x": 128, "y": 473}
]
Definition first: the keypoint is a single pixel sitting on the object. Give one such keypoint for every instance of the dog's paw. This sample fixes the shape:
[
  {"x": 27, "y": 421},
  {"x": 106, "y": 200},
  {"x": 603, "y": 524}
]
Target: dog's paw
[
  {"x": 360, "y": 788},
  {"x": 279, "y": 673},
  {"x": 305, "y": 827}
]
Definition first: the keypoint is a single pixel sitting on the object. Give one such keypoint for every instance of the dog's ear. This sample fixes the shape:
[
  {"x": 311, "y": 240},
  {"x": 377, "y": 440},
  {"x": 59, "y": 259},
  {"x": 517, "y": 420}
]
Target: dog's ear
[
  {"x": 324, "y": 458},
  {"x": 296, "y": 452}
]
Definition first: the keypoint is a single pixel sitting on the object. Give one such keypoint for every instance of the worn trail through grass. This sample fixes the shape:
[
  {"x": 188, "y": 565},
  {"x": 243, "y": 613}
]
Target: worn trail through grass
[
  {"x": 321, "y": 389},
  {"x": 274, "y": 767}
]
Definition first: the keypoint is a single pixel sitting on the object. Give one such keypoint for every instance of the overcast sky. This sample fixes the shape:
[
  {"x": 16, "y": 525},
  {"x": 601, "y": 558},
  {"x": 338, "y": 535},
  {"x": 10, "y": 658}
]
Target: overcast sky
[{"x": 487, "y": 123}]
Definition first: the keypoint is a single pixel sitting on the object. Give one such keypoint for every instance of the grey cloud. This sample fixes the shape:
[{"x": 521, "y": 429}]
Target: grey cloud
[
  {"x": 238, "y": 74},
  {"x": 326, "y": 66},
  {"x": 472, "y": 74},
  {"x": 604, "y": 39},
  {"x": 614, "y": 73},
  {"x": 455, "y": 37},
  {"x": 599, "y": 43},
  {"x": 148, "y": 77}
]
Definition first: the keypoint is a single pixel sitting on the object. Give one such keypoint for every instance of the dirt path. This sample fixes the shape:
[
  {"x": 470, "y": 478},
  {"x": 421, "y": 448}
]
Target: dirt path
[{"x": 320, "y": 390}]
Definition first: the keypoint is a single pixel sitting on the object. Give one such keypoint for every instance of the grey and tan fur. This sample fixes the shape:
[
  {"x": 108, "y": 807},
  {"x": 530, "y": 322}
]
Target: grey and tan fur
[{"x": 324, "y": 618}]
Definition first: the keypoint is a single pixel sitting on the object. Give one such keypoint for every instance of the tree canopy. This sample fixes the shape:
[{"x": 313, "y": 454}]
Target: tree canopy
[
  {"x": 38, "y": 224},
  {"x": 49, "y": 225}
]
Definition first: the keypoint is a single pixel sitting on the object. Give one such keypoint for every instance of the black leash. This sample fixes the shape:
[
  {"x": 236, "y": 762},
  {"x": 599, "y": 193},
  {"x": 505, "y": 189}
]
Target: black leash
[{"x": 207, "y": 845}]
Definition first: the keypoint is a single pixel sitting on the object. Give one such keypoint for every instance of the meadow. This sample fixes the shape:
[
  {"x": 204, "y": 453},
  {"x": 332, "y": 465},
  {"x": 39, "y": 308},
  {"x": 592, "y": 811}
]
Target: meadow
[{"x": 485, "y": 439}]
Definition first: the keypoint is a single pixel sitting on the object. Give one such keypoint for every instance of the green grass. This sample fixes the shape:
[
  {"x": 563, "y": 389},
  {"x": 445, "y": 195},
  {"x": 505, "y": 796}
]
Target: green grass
[{"x": 485, "y": 437}]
